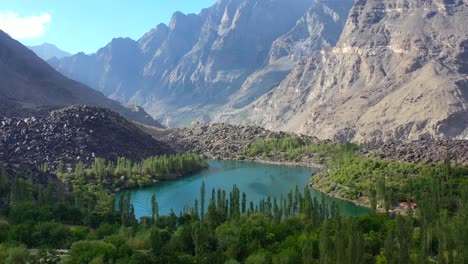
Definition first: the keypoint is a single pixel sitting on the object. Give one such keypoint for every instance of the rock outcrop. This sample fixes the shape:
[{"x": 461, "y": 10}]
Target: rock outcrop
[{"x": 74, "y": 134}]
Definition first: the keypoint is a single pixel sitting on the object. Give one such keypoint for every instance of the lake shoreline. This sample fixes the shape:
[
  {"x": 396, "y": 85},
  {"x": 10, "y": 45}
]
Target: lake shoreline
[
  {"x": 313, "y": 165},
  {"x": 310, "y": 165},
  {"x": 258, "y": 180}
]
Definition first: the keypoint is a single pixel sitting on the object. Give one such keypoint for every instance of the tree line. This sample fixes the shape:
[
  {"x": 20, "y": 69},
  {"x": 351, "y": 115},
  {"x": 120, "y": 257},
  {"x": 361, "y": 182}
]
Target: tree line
[
  {"x": 125, "y": 173},
  {"x": 293, "y": 148}
]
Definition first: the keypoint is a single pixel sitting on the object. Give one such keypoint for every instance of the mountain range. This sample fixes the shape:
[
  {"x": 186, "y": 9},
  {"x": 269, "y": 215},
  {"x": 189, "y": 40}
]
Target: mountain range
[
  {"x": 28, "y": 85},
  {"x": 48, "y": 51},
  {"x": 361, "y": 70}
]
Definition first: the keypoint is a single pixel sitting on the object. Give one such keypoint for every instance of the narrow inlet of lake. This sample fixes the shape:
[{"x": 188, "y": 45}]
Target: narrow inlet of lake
[{"x": 257, "y": 180}]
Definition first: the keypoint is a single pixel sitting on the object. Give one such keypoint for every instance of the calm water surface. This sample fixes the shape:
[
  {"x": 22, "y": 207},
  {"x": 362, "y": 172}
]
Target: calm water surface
[{"x": 257, "y": 180}]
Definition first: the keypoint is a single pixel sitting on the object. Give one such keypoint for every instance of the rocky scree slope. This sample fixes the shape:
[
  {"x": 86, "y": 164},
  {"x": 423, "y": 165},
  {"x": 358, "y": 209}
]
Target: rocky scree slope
[
  {"x": 399, "y": 71},
  {"x": 226, "y": 141},
  {"x": 74, "y": 134},
  {"x": 222, "y": 59},
  {"x": 420, "y": 151},
  {"x": 28, "y": 84}
]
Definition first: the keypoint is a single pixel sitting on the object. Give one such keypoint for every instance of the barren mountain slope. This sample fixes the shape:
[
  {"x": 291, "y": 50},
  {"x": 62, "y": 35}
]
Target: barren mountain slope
[
  {"x": 29, "y": 84},
  {"x": 398, "y": 71},
  {"x": 225, "y": 57}
]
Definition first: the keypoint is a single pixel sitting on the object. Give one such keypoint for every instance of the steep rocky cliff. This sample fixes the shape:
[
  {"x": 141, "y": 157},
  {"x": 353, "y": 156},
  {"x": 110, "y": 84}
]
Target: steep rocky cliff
[
  {"x": 221, "y": 59},
  {"x": 398, "y": 71}
]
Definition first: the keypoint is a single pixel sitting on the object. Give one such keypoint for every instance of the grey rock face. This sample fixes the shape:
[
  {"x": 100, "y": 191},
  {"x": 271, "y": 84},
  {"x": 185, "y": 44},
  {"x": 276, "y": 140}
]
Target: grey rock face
[
  {"x": 398, "y": 71},
  {"x": 319, "y": 28}
]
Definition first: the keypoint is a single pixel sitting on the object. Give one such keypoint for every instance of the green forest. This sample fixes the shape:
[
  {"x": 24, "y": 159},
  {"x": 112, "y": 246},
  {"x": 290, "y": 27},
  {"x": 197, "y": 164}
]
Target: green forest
[
  {"x": 384, "y": 183},
  {"x": 293, "y": 148},
  {"x": 83, "y": 226},
  {"x": 125, "y": 174}
]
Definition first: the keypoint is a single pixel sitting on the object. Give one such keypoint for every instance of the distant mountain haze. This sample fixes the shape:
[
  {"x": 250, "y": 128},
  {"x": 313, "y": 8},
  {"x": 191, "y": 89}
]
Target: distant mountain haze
[
  {"x": 28, "y": 84},
  {"x": 338, "y": 69},
  {"x": 48, "y": 51}
]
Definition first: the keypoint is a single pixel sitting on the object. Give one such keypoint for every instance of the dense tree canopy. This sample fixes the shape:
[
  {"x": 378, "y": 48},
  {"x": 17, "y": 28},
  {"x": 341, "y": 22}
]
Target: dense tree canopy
[
  {"x": 289, "y": 228},
  {"x": 128, "y": 174}
]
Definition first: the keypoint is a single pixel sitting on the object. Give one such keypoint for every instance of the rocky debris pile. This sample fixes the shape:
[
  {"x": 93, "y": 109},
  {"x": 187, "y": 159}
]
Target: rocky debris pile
[
  {"x": 74, "y": 134},
  {"x": 222, "y": 140},
  {"x": 228, "y": 142},
  {"x": 212, "y": 140},
  {"x": 421, "y": 151}
]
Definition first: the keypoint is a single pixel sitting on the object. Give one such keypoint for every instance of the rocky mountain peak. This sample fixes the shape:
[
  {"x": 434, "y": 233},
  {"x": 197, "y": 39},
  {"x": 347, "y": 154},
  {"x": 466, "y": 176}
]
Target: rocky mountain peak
[
  {"x": 48, "y": 51},
  {"x": 153, "y": 40},
  {"x": 320, "y": 27},
  {"x": 121, "y": 43},
  {"x": 182, "y": 22}
]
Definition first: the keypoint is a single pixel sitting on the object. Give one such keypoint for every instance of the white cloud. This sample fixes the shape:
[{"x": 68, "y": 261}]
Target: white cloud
[{"x": 28, "y": 27}]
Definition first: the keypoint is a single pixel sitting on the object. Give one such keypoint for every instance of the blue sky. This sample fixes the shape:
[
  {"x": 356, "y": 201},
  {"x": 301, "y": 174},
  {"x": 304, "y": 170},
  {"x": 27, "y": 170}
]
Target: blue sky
[{"x": 87, "y": 25}]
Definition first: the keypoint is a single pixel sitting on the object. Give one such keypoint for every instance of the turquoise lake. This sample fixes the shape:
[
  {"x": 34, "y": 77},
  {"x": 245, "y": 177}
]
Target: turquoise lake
[{"x": 257, "y": 180}]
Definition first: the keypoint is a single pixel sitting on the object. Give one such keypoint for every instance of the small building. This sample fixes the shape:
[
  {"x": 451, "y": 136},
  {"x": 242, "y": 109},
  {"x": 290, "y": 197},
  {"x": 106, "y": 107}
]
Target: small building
[{"x": 405, "y": 205}]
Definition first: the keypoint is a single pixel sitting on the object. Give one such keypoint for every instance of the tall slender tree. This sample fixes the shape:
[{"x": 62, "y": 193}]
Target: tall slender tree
[
  {"x": 154, "y": 208},
  {"x": 3, "y": 181},
  {"x": 202, "y": 200}
]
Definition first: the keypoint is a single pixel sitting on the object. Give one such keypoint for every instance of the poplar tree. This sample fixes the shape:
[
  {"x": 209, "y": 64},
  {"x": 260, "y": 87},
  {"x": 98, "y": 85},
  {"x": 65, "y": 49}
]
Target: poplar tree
[
  {"x": 202, "y": 200},
  {"x": 244, "y": 202},
  {"x": 326, "y": 245},
  {"x": 3, "y": 181},
  {"x": 154, "y": 208}
]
